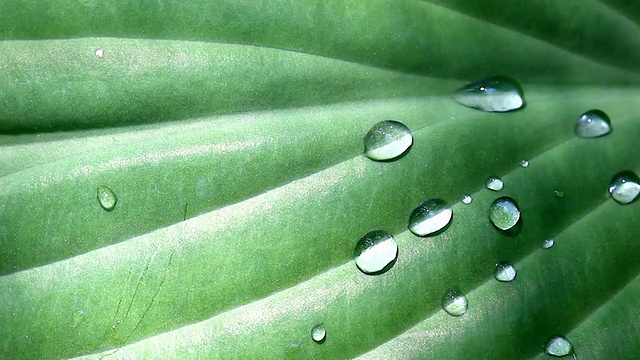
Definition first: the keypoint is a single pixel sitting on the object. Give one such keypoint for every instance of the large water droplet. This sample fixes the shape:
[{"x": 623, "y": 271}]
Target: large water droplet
[
  {"x": 467, "y": 199},
  {"x": 524, "y": 163},
  {"x": 387, "y": 140},
  {"x": 494, "y": 183},
  {"x": 625, "y": 187},
  {"x": 559, "y": 346},
  {"x": 504, "y": 213},
  {"x": 593, "y": 123},
  {"x": 429, "y": 217},
  {"x": 494, "y": 94},
  {"x": 454, "y": 302},
  {"x": 547, "y": 244},
  {"x": 504, "y": 272},
  {"x": 107, "y": 198},
  {"x": 318, "y": 333},
  {"x": 375, "y": 251}
]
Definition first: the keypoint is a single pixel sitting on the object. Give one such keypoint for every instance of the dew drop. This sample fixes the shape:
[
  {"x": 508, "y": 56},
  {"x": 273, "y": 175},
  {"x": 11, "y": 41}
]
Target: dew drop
[
  {"x": 107, "y": 198},
  {"x": 387, "y": 140},
  {"x": 454, "y": 302},
  {"x": 494, "y": 183},
  {"x": 558, "y": 346},
  {"x": 558, "y": 193},
  {"x": 375, "y": 251},
  {"x": 624, "y": 187},
  {"x": 318, "y": 333},
  {"x": 504, "y": 213},
  {"x": 504, "y": 272},
  {"x": 429, "y": 217},
  {"x": 99, "y": 53},
  {"x": 524, "y": 163},
  {"x": 467, "y": 199},
  {"x": 492, "y": 94},
  {"x": 547, "y": 244},
  {"x": 592, "y": 124}
]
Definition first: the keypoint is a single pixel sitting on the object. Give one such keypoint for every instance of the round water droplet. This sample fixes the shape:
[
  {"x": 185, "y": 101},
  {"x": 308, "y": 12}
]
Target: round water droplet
[
  {"x": 524, "y": 163},
  {"x": 494, "y": 183},
  {"x": 318, "y": 333},
  {"x": 559, "y": 346},
  {"x": 548, "y": 243},
  {"x": 454, "y": 302},
  {"x": 99, "y": 53},
  {"x": 387, "y": 140},
  {"x": 625, "y": 187},
  {"x": 504, "y": 272},
  {"x": 493, "y": 94},
  {"x": 593, "y": 123},
  {"x": 107, "y": 198},
  {"x": 558, "y": 193},
  {"x": 467, "y": 199},
  {"x": 375, "y": 251},
  {"x": 504, "y": 213},
  {"x": 429, "y": 217}
]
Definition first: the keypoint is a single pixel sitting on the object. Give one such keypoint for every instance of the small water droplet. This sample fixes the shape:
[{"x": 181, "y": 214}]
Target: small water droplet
[
  {"x": 548, "y": 243},
  {"x": 375, "y": 251},
  {"x": 387, "y": 140},
  {"x": 318, "y": 333},
  {"x": 505, "y": 272},
  {"x": 467, "y": 199},
  {"x": 99, "y": 53},
  {"x": 494, "y": 183},
  {"x": 430, "y": 216},
  {"x": 592, "y": 124},
  {"x": 493, "y": 94},
  {"x": 559, "y": 346},
  {"x": 504, "y": 213},
  {"x": 454, "y": 302},
  {"x": 107, "y": 198},
  {"x": 625, "y": 187},
  {"x": 558, "y": 193},
  {"x": 524, "y": 163}
]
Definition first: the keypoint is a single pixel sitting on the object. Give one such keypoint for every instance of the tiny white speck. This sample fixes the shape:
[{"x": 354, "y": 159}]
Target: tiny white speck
[{"x": 100, "y": 53}]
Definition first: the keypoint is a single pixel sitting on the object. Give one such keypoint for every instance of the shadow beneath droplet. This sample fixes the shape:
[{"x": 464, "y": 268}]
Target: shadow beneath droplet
[{"x": 514, "y": 231}]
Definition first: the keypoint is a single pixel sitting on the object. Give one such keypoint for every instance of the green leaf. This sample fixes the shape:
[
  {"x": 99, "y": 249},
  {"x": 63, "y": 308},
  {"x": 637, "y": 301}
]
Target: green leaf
[{"x": 232, "y": 132}]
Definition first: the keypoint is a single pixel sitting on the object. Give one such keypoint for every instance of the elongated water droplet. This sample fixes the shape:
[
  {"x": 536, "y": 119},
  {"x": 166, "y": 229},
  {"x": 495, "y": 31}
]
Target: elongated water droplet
[
  {"x": 504, "y": 213},
  {"x": 494, "y": 183},
  {"x": 375, "y": 251},
  {"x": 429, "y": 217},
  {"x": 504, "y": 272},
  {"x": 593, "y": 123},
  {"x": 99, "y": 53},
  {"x": 558, "y": 193},
  {"x": 548, "y": 243},
  {"x": 454, "y": 302},
  {"x": 524, "y": 163},
  {"x": 467, "y": 199},
  {"x": 387, "y": 140},
  {"x": 106, "y": 198},
  {"x": 625, "y": 187},
  {"x": 559, "y": 346},
  {"x": 493, "y": 94},
  {"x": 318, "y": 333}
]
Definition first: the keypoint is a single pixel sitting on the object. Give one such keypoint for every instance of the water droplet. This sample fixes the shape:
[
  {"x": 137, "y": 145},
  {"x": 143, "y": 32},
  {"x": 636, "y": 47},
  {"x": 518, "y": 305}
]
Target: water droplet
[
  {"x": 559, "y": 346},
  {"x": 593, "y": 123},
  {"x": 504, "y": 272},
  {"x": 107, "y": 198},
  {"x": 548, "y": 243},
  {"x": 558, "y": 193},
  {"x": 504, "y": 213},
  {"x": 318, "y": 333},
  {"x": 375, "y": 251},
  {"x": 78, "y": 315},
  {"x": 387, "y": 140},
  {"x": 429, "y": 217},
  {"x": 454, "y": 302},
  {"x": 493, "y": 94},
  {"x": 625, "y": 187},
  {"x": 99, "y": 53},
  {"x": 494, "y": 183},
  {"x": 467, "y": 199},
  {"x": 524, "y": 163}
]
